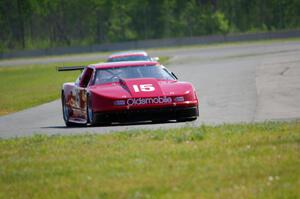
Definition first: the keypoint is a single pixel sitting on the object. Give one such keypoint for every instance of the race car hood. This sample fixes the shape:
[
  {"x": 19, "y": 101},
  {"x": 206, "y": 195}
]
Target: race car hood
[
  {"x": 140, "y": 88},
  {"x": 147, "y": 87}
]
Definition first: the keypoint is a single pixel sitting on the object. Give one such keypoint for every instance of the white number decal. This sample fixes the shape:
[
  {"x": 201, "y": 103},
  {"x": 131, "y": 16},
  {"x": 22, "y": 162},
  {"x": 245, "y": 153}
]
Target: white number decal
[
  {"x": 143, "y": 88},
  {"x": 147, "y": 87},
  {"x": 136, "y": 88}
]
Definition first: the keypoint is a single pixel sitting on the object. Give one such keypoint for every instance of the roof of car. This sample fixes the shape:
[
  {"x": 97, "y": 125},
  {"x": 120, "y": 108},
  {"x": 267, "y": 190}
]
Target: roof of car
[
  {"x": 128, "y": 53},
  {"x": 123, "y": 64}
]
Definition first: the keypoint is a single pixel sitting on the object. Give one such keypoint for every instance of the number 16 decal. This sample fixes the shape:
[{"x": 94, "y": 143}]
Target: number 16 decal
[{"x": 143, "y": 88}]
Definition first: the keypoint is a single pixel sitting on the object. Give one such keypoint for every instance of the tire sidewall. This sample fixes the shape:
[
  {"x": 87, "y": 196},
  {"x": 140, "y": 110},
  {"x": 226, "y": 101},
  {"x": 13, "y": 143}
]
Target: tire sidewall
[
  {"x": 64, "y": 109},
  {"x": 89, "y": 110}
]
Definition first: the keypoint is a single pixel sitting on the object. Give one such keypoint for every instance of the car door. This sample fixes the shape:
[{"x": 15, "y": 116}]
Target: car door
[{"x": 81, "y": 90}]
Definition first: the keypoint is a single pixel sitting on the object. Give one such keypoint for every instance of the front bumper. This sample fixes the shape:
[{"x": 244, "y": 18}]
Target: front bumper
[{"x": 166, "y": 113}]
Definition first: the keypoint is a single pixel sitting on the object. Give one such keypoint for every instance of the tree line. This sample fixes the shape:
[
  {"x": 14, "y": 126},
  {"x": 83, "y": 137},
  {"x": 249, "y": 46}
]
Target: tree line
[{"x": 33, "y": 24}]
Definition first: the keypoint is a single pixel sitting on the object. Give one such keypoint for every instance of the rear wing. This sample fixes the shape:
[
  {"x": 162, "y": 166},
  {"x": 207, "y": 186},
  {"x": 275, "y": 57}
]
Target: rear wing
[{"x": 69, "y": 68}]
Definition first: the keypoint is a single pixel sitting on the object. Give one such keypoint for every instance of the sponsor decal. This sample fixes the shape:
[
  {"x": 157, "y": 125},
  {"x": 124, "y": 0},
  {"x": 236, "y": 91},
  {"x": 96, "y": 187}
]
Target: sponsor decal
[{"x": 150, "y": 100}]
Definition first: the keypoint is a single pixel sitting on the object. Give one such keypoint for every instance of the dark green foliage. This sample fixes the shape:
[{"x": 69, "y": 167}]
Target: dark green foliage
[{"x": 32, "y": 24}]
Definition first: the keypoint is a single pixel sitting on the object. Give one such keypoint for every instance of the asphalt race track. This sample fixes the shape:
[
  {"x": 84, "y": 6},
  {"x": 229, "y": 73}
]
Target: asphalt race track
[{"x": 235, "y": 83}]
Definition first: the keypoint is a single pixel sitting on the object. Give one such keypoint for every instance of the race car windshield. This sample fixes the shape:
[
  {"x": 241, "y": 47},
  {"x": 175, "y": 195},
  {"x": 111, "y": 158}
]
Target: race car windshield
[
  {"x": 110, "y": 75},
  {"x": 129, "y": 58}
]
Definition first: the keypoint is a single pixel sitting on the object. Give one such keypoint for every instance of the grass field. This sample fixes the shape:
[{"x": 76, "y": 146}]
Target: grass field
[
  {"x": 27, "y": 86},
  {"x": 227, "y": 161}
]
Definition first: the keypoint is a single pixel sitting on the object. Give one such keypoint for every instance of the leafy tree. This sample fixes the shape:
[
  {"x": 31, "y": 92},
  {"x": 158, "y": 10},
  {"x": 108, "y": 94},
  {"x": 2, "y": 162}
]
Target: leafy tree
[
  {"x": 119, "y": 23},
  {"x": 30, "y": 24}
]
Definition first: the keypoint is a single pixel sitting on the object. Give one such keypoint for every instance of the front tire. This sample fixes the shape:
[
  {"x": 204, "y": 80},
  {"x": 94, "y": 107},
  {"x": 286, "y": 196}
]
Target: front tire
[
  {"x": 66, "y": 112},
  {"x": 91, "y": 118},
  {"x": 90, "y": 113}
]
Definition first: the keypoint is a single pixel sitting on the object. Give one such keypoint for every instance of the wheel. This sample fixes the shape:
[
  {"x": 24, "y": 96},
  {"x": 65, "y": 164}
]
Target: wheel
[
  {"x": 66, "y": 112},
  {"x": 90, "y": 114},
  {"x": 186, "y": 119}
]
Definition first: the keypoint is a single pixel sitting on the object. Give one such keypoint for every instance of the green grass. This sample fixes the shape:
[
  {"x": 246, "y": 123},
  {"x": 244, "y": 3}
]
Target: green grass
[
  {"x": 227, "y": 161},
  {"x": 27, "y": 86},
  {"x": 164, "y": 60}
]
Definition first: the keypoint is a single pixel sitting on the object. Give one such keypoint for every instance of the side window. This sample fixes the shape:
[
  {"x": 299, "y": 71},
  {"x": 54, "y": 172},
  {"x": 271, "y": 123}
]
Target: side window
[
  {"x": 77, "y": 82},
  {"x": 86, "y": 77}
]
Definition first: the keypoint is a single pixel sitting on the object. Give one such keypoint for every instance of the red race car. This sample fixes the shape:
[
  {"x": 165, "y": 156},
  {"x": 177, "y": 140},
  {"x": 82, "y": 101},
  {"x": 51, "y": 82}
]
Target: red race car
[
  {"x": 134, "y": 55},
  {"x": 127, "y": 92}
]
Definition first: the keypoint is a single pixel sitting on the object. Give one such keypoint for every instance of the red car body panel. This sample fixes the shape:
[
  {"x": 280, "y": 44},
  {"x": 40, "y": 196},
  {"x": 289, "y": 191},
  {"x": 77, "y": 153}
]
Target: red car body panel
[
  {"x": 132, "y": 94},
  {"x": 125, "y": 64},
  {"x": 127, "y": 55}
]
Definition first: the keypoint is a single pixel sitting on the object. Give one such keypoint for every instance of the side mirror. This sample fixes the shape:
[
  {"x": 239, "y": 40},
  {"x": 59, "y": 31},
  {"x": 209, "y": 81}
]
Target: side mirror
[
  {"x": 155, "y": 58},
  {"x": 174, "y": 75}
]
